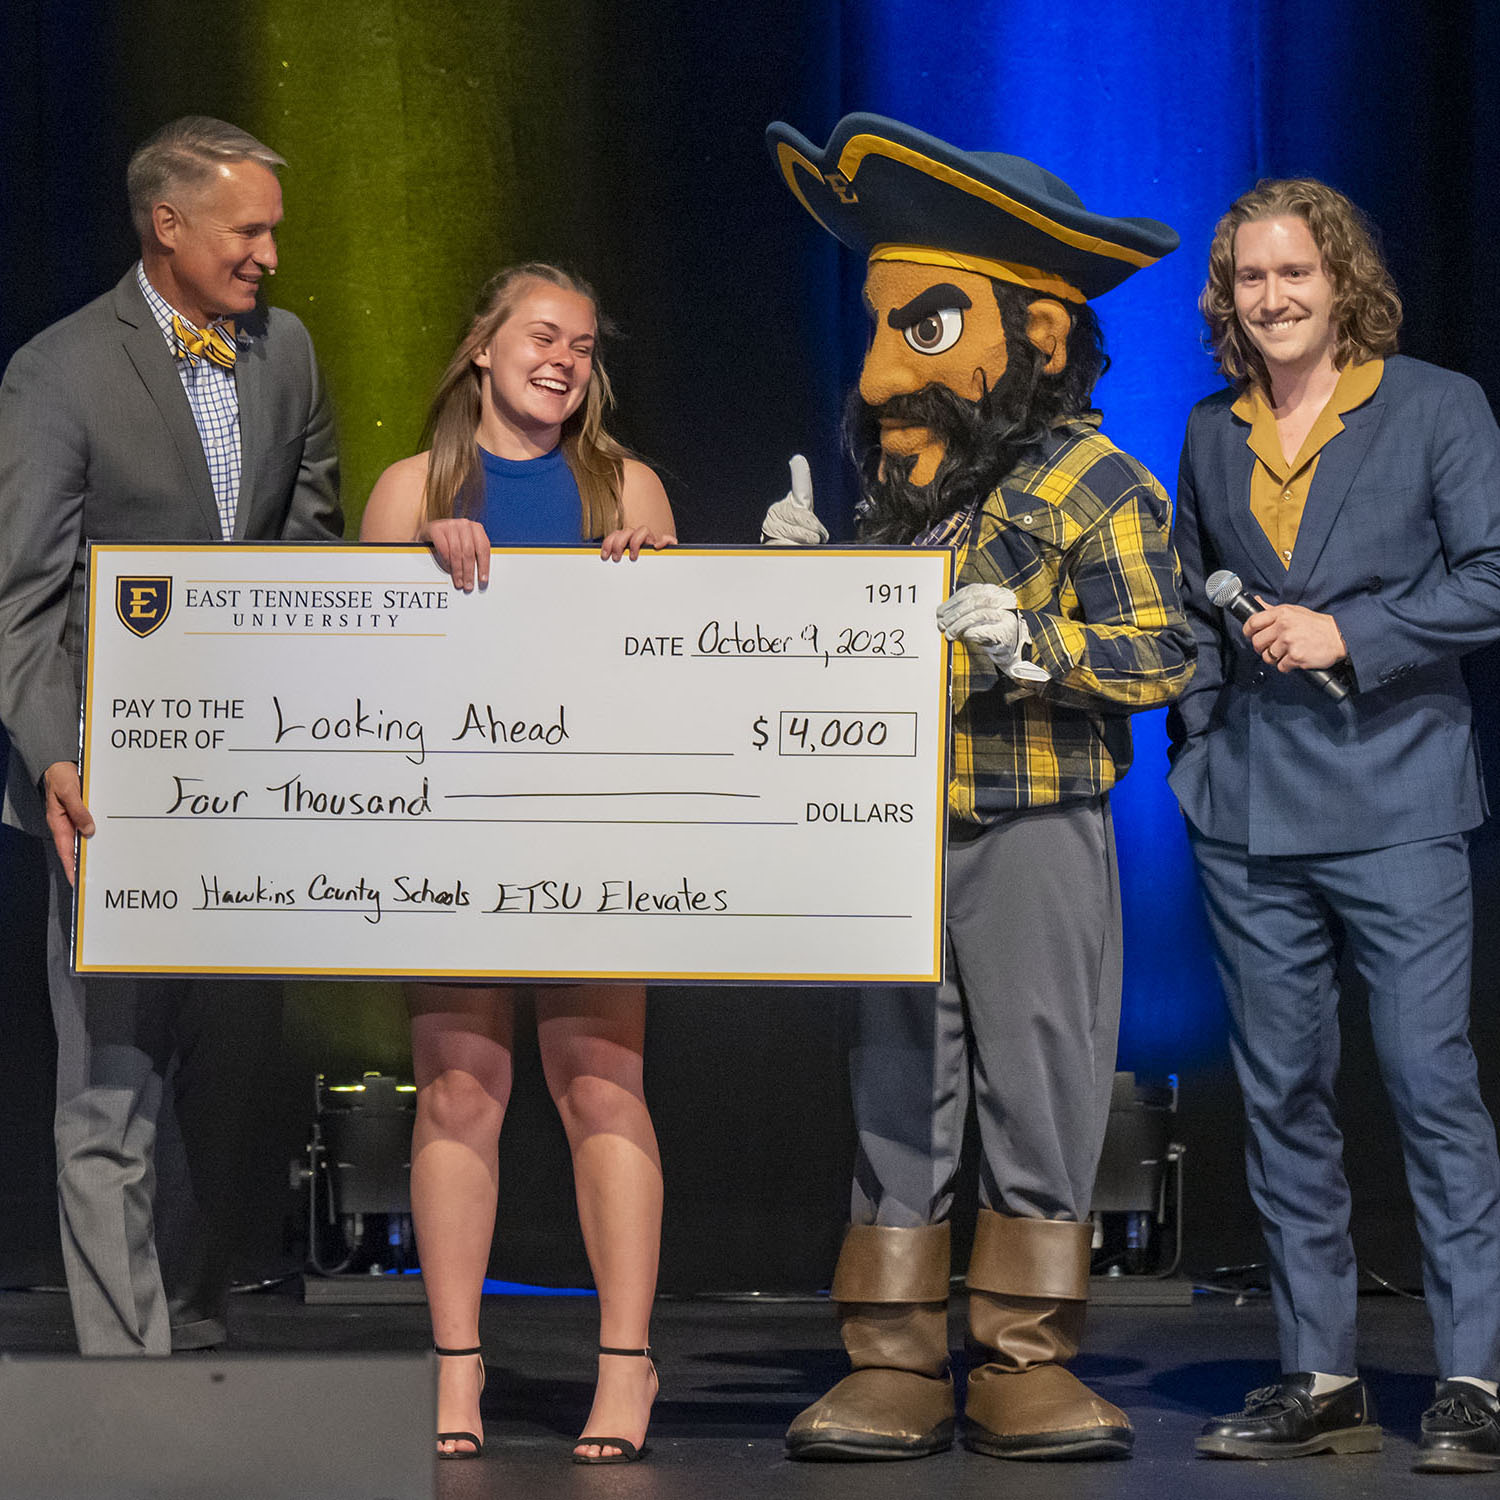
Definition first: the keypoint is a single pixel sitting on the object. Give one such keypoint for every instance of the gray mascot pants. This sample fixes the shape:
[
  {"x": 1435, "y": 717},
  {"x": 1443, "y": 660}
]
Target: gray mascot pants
[{"x": 1027, "y": 1018}]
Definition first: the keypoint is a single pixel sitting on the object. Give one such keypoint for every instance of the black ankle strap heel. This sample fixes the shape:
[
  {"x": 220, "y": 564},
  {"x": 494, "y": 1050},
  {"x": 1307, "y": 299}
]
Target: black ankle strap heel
[
  {"x": 628, "y": 1453},
  {"x": 477, "y": 1450}
]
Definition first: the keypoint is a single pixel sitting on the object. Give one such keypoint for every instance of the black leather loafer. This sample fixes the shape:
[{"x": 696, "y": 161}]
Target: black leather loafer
[
  {"x": 1286, "y": 1420},
  {"x": 1460, "y": 1431}
]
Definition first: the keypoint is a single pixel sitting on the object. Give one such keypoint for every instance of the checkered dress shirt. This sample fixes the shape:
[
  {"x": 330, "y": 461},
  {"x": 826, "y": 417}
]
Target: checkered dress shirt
[
  {"x": 215, "y": 402},
  {"x": 1080, "y": 532}
]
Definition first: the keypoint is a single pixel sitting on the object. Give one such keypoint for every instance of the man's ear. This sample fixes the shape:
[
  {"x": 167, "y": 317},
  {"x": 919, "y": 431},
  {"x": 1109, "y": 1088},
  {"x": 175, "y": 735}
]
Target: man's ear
[
  {"x": 165, "y": 224},
  {"x": 1048, "y": 324}
]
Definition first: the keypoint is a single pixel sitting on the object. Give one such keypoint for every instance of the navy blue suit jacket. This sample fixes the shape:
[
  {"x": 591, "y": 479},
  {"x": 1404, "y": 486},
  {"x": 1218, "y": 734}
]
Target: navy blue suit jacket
[{"x": 1400, "y": 543}]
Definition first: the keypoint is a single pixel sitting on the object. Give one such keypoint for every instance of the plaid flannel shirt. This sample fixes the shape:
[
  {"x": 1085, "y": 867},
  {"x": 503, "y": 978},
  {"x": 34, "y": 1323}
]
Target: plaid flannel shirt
[{"x": 1081, "y": 533}]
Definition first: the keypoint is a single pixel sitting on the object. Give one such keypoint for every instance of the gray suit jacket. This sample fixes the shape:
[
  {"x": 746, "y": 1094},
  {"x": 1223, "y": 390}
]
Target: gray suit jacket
[
  {"x": 1400, "y": 543},
  {"x": 98, "y": 443}
]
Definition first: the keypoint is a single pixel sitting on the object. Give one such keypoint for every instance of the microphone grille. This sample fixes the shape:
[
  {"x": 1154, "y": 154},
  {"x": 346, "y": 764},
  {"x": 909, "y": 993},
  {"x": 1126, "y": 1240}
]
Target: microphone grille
[{"x": 1223, "y": 587}]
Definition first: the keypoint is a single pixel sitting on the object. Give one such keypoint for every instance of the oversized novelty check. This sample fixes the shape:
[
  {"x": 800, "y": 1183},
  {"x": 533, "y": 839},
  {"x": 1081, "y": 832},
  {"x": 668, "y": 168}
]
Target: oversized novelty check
[{"x": 325, "y": 760}]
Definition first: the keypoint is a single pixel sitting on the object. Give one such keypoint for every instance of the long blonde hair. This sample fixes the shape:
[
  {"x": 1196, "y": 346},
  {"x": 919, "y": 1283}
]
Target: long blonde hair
[{"x": 454, "y": 484}]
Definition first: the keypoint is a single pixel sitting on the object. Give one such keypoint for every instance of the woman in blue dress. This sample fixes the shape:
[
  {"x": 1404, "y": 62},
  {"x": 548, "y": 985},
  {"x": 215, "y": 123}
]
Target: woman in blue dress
[{"x": 519, "y": 457}]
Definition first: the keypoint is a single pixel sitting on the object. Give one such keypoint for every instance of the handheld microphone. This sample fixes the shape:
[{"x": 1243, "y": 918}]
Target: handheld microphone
[{"x": 1225, "y": 589}]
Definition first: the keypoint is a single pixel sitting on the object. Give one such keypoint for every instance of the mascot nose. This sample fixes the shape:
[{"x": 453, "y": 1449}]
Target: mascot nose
[{"x": 887, "y": 373}]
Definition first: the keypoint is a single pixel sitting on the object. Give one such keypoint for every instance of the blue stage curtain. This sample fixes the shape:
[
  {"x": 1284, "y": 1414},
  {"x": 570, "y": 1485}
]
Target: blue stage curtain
[
  {"x": 1170, "y": 109},
  {"x": 1106, "y": 97},
  {"x": 641, "y": 161}
]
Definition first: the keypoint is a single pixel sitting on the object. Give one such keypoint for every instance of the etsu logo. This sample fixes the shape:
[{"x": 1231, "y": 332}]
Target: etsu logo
[
  {"x": 843, "y": 189},
  {"x": 142, "y": 603}
]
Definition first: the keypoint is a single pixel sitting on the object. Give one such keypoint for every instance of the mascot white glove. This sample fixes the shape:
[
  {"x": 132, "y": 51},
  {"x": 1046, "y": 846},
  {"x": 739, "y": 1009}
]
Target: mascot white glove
[
  {"x": 985, "y": 618},
  {"x": 791, "y": 521}
]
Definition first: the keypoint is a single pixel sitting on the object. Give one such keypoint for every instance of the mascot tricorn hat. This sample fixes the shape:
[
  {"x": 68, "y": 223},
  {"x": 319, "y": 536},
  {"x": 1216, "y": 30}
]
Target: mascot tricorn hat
[{"x": 893, "y": 193}]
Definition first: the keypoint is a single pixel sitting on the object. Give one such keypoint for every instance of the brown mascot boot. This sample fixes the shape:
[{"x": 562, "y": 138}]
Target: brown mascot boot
[
  {"x": 891, "y": 1286},
  {"x": 1028, "y": 1287}
]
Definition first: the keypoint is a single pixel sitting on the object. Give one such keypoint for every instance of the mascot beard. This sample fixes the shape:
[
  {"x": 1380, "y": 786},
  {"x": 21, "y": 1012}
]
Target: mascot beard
[{"x": 982, "y": 440}]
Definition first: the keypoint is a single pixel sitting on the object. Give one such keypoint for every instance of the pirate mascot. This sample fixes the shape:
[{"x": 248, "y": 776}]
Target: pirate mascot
[{"x": 972, "y": 428}]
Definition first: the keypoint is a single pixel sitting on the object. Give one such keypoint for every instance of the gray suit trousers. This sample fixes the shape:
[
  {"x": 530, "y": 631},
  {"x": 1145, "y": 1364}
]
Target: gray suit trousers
[{"x": 154, "y": 1081}]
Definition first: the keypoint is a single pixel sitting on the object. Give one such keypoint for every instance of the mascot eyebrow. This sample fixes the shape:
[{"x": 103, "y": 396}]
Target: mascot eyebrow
[{"x": 934, "y": 299}]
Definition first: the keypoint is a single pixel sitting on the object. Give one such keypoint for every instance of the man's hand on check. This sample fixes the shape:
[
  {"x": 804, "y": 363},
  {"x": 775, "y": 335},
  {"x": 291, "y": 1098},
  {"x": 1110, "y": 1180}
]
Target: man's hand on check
[
  {"x": 462, "y": 549},
  {"x": 66, "y": 814}
]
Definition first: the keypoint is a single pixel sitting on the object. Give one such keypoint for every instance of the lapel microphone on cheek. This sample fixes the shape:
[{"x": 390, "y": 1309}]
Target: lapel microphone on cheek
[{"x": 1225, "y": 590}]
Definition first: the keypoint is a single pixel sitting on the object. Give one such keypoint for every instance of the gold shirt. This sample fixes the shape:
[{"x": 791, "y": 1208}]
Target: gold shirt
[{"x": 1278, "y": 487}]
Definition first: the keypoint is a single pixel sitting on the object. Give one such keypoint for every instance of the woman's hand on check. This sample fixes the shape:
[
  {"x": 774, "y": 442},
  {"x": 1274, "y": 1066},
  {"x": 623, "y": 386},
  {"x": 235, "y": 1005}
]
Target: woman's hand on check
[
  {"x": 462, "y": 549},
  {"x": 631, "y": 540}
]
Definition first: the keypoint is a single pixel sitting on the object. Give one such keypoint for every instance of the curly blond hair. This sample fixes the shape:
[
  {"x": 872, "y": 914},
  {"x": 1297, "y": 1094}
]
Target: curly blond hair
[{"x": 1366, "y": 306}]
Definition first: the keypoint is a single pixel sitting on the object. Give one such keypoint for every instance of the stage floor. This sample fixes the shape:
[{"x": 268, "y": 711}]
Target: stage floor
[{"x": 734, "y": 1373}]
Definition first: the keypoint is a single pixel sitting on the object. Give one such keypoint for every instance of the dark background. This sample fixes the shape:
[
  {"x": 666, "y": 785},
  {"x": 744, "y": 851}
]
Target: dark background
[{"x": 431, "y": 141}]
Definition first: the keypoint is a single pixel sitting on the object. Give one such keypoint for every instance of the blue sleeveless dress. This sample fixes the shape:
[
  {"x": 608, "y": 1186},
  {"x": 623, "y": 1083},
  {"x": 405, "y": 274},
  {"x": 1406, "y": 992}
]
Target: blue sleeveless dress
[{"x": 531, "y": 502}]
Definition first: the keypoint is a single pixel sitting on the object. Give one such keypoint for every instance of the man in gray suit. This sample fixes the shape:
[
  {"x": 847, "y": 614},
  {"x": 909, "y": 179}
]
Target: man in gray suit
[
  {"x": 174, "y": 409},
  {"x": 1356, "y": 494}
]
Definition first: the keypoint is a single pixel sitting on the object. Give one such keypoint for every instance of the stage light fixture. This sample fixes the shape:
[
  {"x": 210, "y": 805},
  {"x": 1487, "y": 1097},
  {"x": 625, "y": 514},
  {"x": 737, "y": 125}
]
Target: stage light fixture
[
  {"x": 357, "y": 1176},
  {"x": 1137, "y": 1205}
]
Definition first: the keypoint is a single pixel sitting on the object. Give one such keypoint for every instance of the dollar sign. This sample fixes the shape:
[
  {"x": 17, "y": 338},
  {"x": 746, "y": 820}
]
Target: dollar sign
[{"x": 761, "y": 737}]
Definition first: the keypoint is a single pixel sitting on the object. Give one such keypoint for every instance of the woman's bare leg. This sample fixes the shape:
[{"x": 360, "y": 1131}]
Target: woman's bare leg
[
  {"x": 461, "y": 1040},
  {"x": 590, "y": 1038}
]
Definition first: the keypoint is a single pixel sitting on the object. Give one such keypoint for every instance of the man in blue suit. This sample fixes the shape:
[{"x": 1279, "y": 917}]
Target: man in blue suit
[{"x": 1356, "y": 494}]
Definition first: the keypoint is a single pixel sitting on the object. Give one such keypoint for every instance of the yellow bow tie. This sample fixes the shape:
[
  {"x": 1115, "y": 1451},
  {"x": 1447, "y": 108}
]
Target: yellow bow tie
[{"x": 216, "y": 342}]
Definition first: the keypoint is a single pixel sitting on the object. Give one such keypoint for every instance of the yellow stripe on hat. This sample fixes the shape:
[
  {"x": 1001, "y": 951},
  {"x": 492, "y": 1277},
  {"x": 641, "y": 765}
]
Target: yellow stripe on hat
[
  {"x": 787, "y": 157},
  {"x": 860, "y": 146},
  {"x": 1028, "y": 276}
]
